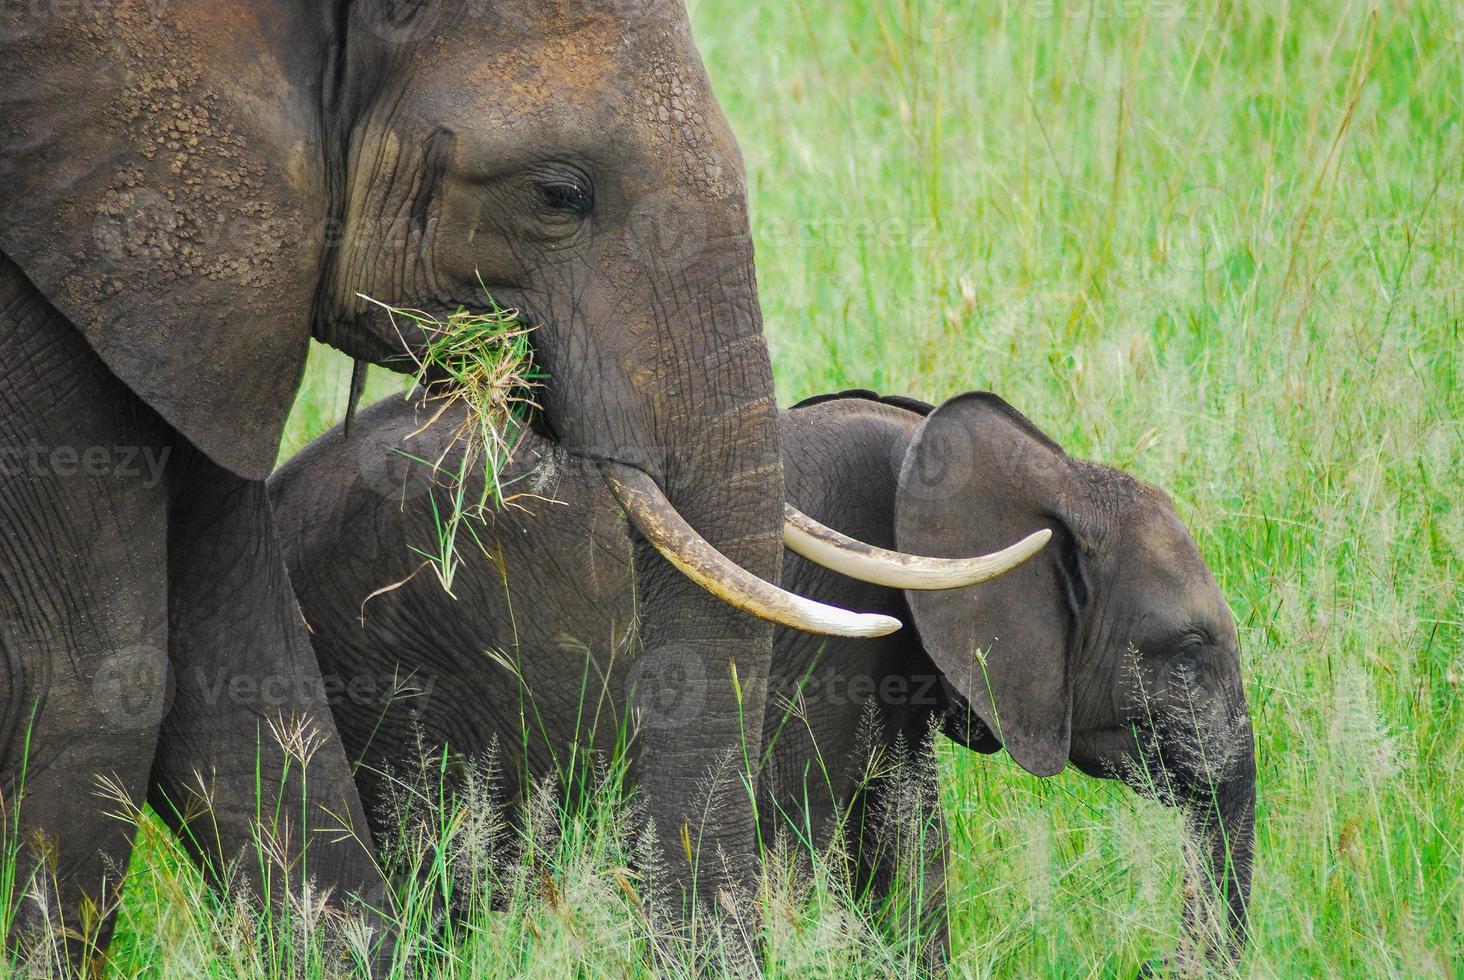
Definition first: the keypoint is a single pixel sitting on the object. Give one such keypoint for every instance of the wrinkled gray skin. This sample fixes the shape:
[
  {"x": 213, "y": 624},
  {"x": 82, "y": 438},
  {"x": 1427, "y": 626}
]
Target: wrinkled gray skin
[
  {"x": 1112, "y": 649},
  {"x": 189, "y": 191}
]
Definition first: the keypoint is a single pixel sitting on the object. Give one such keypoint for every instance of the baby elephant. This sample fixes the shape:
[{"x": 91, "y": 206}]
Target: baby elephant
[{"x": 1112, "y": 649}]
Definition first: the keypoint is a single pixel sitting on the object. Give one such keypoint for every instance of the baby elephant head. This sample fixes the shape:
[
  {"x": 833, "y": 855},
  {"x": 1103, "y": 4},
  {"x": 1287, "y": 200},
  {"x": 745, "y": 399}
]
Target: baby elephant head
[{"x": 1112, "y": 649}]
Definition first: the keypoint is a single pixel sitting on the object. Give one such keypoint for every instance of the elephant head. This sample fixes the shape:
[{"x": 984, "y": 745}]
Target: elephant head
[
  {"x": 1112, "y": 649},
  {"x": 202, "y": 186}
]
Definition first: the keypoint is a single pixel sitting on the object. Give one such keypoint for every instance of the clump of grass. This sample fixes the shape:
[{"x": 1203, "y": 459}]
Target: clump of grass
[{"x": 482, "y": 361}]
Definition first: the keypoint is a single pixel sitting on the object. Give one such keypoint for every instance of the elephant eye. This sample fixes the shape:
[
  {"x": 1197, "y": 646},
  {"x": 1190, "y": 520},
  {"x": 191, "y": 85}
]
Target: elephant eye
[
  {"x": 1187, "y": 663},
  {"x": 567, "y": 196}
]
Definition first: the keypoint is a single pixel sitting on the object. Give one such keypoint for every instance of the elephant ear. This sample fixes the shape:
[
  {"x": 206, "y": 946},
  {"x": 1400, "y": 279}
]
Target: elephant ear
[
  {"x": 161, "y": 184},
  {"x": 977, "y": 476}
]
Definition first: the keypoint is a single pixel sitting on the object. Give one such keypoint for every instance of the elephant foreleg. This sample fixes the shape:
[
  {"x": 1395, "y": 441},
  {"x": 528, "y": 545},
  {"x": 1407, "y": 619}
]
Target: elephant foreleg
[
  {"x": 83, "y": 578},
  {"x": 251, "y": 767},
  {"x": 902, "y": 852}
]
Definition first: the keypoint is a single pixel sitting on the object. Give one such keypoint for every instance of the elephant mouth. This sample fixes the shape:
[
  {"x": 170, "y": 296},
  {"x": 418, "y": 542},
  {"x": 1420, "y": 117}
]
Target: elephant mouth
[{"x": 658, "y": 521}]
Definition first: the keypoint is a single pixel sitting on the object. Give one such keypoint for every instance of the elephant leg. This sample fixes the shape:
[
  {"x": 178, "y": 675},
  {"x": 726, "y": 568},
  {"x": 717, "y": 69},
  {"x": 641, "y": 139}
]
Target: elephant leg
[
  {"x": 935, "y": 922},
  {"x": 83, "y": 621},
  {"x": 250, "y": 768},
  {"x": 902, "y": 850}
]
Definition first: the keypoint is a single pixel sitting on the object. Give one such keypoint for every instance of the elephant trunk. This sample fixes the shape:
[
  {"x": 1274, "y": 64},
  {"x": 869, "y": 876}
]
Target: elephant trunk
[
  {"x": 678, "y": 401},
  {"x": 1220, "y": 824},
  {"x": 697, "y": 685}
]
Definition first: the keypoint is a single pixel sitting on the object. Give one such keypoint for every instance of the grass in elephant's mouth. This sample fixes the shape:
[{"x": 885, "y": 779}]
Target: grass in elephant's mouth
[{"x": 482, "y": 361}]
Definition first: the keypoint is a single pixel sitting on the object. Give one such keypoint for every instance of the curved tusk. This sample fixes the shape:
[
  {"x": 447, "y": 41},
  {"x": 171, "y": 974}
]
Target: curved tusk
[
  {"x": 824, "y": 546},
  {"x": 653, "y": 515}
]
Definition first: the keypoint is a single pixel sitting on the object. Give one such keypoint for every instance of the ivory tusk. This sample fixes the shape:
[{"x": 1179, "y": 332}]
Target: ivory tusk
[
  {"x": 824, "y": 546},
  {"x": 653, "y": 515}
]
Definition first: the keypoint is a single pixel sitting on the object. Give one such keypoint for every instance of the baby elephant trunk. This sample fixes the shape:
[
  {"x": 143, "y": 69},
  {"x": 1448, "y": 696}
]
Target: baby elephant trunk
[{"x": 1220, "y": 820}]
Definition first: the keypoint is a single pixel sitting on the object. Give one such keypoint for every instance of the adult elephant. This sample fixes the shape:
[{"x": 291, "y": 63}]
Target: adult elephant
[
  {"x": 1112, "y": 649},
  {"x": 189, "y": 192}
]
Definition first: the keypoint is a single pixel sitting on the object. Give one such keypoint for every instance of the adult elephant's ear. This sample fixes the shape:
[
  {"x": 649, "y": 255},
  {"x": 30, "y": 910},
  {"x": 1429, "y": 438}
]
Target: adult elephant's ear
[
  {"x": 161, "y": 184},
  {"x": 977, "y": 476}
]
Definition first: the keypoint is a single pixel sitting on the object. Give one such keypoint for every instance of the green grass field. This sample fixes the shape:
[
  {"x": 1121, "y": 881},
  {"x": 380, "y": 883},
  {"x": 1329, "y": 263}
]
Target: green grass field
[{"x": 1217, "y": 242}]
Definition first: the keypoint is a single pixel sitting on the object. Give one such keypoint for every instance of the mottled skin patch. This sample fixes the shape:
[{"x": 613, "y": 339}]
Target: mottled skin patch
[
  {"x": 675, "y": 114},
  {"x": 164, "y": 194},
  {"x": 165, "y": 110}
]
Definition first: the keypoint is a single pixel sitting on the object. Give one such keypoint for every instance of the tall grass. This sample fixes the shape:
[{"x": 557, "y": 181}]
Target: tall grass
[{"x": 1216, "y": 242}]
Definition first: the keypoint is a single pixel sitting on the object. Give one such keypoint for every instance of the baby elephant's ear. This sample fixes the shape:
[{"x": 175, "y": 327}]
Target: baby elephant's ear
[
  {"x": 161, "y": 185},
  {"x": 978, "y": 476}
]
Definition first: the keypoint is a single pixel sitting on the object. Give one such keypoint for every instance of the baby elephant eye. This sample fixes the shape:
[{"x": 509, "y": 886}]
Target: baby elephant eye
[
  {"x": 1187, "y": 663},
  {"x": 567, "y": 196}
]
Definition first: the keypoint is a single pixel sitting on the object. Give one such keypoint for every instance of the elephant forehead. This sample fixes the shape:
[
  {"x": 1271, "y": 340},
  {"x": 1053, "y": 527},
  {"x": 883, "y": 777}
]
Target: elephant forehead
[
  {"x": 1160, "y": 555},
  {"x": 638, "y": 88},
  {"x": 575, "y": 15},
  {"x": 538, "y": 68},
  {"x": 675, "y": 113}
]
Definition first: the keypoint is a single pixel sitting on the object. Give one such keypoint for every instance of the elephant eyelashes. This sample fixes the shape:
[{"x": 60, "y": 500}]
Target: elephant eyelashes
[{"x": 570, "y": 197}]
